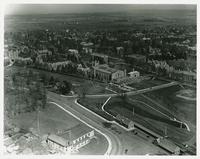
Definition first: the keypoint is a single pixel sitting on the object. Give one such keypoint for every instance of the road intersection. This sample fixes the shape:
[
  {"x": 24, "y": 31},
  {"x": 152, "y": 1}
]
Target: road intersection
[{"x": 89, "y": 119}]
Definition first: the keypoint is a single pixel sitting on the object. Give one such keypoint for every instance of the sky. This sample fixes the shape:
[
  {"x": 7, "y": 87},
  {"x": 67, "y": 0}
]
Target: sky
[{"x": 86, "y": 8}]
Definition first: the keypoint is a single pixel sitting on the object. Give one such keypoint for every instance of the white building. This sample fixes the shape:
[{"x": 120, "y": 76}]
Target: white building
[
  {"x": 87, "y": 47},
  {"x": 73, "y": 51},
  {"x": 106, "y": 74},
  {"x": 134, "y": 73},
  {"x": 71, "y": 140}
]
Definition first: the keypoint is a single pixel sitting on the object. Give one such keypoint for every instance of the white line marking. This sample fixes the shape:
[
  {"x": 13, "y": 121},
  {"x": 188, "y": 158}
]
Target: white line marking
[
  {"x": 105, "y": 103},
  {"x": 108, "y": 139}
]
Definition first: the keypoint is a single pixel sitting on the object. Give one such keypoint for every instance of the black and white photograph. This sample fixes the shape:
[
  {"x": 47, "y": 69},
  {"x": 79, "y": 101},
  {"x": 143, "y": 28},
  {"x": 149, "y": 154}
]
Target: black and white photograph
[{"x": 99, "y": 79}]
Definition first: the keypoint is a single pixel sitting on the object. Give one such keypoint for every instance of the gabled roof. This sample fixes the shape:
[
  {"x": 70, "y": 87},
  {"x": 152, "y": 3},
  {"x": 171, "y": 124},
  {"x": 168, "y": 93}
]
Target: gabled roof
[
  {"x": 105, "y": 68},
  {"x": 123, "y": 119},
  {"x": 77, "y": 132},
  {"x": 57, "y": 139}
]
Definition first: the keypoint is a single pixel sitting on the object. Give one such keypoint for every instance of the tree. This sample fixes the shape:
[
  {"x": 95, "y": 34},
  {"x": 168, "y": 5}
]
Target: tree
[
  {"x": 65, "y": 87},
  {"x": 52, "y": 81}
]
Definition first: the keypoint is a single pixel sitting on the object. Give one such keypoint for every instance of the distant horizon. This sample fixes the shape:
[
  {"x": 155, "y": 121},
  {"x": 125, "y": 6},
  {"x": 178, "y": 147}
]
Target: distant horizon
[{"x": 45, "y": 9}]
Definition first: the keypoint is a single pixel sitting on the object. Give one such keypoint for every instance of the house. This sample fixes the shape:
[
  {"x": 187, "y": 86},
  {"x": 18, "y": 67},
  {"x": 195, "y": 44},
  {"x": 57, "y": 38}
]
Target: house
[
  {"x": 57, "y": 142},
  {"x": 168, "y": 145},
  {"x": 134, "y": 73},
  {"x": 125, "y": 121},
  {"x": 106, "y": 74}
]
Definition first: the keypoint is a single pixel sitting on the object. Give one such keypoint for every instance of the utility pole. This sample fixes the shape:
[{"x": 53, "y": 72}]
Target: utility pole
[
  {"x": 165, "y": 133},
  {"x": 38, "y": 120}
]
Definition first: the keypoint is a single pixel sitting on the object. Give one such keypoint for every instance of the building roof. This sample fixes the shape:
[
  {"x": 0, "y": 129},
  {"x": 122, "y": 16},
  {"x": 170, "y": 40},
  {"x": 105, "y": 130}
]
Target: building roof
[
  {"x": 59, "y": 140},
  {"x": 125, "y": 120},
  {"x": 168, "y": 145},
  {"x": 133, "y": 72},
  {"x": 185, "y": 73},
  {"x": 77, "y": 132},
  {"x": 99, "y": 55},
  {"x": 86, "y": 44},
  {"x": 105, "y": 68},
  {"x": 73, "y": 50},
  {"x": 136, "y": 56}
]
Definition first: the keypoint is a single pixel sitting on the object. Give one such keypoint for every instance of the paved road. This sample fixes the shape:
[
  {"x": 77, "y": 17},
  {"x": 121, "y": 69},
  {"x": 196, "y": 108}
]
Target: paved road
[{"x": 89, "y": 118}]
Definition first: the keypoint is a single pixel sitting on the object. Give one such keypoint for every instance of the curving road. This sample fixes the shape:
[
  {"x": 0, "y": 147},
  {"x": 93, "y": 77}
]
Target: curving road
[{"x": 89, "y": 118}]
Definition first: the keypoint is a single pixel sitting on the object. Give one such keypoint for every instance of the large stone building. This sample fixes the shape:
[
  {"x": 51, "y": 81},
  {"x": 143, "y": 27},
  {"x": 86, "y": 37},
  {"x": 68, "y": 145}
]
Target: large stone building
[
  {"x": 106, "y": 74},
  {"x": 100, "y": 58}
]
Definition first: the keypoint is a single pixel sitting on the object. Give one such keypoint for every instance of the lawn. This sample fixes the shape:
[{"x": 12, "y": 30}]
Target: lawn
[
  {"x": 48, "y": 122},
  {"x": 54, "y": 120},
  {"x": 147, "y": 83}
]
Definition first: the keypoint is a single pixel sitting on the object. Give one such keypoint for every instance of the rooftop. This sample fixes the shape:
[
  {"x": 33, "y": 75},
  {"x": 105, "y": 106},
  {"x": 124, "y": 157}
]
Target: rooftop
[
  {"x": 57, "y": 139},
  {"x": 186, "y": 73},
  {"x": 77, "y": 131},
  {"x": 99, "y": 55},
  {"x": 133, "y": 72},
  {"x": 123, "y": 119},
  {"x": 86, "y": 43},
  {"x": 168, "y": 145},
  {"x": 136, "y": 56},
  {"x": 105, "y": 68}
]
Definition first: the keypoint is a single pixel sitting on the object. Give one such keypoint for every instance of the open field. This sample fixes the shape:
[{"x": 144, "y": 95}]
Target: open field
[
  {"x": 147, "y": 84},
  {"x": 183, "y": 109},
  {"x": 51, "y": 120}
]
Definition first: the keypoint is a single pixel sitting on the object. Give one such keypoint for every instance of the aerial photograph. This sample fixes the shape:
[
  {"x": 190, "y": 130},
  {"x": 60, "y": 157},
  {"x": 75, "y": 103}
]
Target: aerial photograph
[{"x": 100, "y": 79}]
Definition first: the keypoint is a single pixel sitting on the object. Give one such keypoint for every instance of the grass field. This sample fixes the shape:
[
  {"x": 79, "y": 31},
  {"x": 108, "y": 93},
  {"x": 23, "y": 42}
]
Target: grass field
[
  {"x": 147, "y": 83},
  {"x": 52, "y": 119}
]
